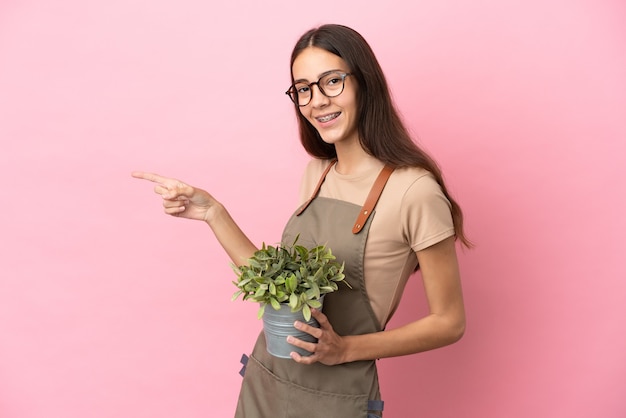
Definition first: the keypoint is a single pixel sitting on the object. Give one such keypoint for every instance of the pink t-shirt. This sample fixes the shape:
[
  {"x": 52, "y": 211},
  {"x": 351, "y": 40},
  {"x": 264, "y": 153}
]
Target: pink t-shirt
[{"x": 411, "y": 215}]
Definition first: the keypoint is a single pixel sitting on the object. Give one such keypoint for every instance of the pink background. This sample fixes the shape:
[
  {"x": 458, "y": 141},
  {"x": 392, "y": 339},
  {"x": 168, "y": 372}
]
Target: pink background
[{"x": 110, "y": 309}]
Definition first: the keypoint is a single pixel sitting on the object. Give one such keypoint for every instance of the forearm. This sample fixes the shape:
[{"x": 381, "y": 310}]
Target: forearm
[
  {"x": 236, "y": 244},
  {"x": 428, "y": 333}
]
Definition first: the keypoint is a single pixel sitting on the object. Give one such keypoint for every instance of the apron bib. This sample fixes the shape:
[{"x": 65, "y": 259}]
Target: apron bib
[{"x": 281, "y": 388}]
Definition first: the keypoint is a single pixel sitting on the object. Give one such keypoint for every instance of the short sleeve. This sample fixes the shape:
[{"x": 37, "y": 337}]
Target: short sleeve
[{"x": 425, "y": 213}]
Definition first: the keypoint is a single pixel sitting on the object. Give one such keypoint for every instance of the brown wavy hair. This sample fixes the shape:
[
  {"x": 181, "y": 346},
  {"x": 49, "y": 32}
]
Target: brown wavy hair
[{"x": 381, "y": 131}]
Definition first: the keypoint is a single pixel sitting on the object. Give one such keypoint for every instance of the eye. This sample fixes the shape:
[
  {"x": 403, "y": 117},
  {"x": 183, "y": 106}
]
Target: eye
[
  {"x": 302, "y": 88},
  {"x": 332, "y": 80}
]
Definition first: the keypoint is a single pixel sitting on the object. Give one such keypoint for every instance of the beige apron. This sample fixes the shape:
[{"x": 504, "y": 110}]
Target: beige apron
[{"x": 281, "y": 388}]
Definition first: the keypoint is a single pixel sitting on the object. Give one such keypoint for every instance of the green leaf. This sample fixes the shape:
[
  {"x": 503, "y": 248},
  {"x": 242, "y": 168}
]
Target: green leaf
[
  {"x": 314, "y": 303},
  {"x": 295, "y": 240},
  {"x": 275, "y": 304},
  {"x": 302, "y": 252},
  {"x": 306, "y": 312},
  {"x": 313, "y": 292},
  {"x": 318, "y": 274},
  {"x": 243, "y": 282},
  {"x": 261, "y": 311},
  {"x": 235, "y": 268},
  {"x": 255, "y": 264},
  {"x": 260, "y": 292},
  {"x": 293, "y": 301},
  {"x": 291, "y": 283}
]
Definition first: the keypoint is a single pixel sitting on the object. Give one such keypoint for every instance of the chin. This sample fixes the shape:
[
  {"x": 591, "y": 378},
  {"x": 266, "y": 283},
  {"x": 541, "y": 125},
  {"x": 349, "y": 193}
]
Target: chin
[{"x": 331, "y": 139}]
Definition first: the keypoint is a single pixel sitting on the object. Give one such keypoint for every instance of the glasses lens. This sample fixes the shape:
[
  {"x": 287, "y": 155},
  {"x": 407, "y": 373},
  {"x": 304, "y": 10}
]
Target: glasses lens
[
  {"x": 332, "y": 84},
  {"x": 301, "y": 94}
]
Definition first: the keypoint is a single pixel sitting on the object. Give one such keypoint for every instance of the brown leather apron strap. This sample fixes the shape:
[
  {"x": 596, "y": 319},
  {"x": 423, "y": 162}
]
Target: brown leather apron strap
[
  {"x": 372, "y": 198},
  {"x": 317, "y": 188}
]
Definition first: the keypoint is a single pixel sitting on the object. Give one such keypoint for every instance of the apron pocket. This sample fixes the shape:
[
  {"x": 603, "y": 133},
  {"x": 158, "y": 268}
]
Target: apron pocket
[{"x": 264, "y": 394}]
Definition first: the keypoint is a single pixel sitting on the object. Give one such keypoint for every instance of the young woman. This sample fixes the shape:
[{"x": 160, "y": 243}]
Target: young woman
[{"x": 380, "y": 203}]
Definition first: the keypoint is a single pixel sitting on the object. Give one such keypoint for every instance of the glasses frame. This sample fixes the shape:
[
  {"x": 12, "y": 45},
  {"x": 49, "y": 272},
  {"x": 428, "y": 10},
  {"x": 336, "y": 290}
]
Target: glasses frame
[{"x": 321, "y": 89}]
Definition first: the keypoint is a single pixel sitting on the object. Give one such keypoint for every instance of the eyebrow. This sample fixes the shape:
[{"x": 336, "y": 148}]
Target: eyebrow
[{"x": 304, "y": 80}]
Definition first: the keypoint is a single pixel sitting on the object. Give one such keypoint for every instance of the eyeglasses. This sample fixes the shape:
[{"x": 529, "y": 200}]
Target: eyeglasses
[{"x": 330, "y": 85}]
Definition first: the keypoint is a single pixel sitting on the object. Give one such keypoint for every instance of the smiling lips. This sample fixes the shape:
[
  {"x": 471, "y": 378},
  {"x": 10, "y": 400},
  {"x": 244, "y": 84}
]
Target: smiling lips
[{"x": 327, "y": 118}]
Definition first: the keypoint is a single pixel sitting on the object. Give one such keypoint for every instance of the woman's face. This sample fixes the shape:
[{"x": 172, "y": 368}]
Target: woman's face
[{"x": 335, "y": 118}]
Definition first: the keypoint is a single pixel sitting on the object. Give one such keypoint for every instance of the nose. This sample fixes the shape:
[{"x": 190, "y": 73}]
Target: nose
[{"x": 318, "y": 99}]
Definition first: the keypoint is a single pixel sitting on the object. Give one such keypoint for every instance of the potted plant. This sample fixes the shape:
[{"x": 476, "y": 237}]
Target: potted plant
[{"x": 291, "y": 279}]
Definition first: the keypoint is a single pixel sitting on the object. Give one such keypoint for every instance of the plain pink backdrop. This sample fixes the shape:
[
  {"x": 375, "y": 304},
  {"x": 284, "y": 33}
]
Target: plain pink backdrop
[{"x": 108, "y": 308}]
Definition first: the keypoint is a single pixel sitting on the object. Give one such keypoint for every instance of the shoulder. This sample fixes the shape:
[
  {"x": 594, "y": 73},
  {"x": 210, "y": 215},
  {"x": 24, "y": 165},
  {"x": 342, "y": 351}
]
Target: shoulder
[
  {"x": 420, "y": 197},
  {"x": 312, "y": 173},
  {"x": 414, "y": 183},
  {"x": 316, "y": 166},
  {"x": 314, "y": 170}
]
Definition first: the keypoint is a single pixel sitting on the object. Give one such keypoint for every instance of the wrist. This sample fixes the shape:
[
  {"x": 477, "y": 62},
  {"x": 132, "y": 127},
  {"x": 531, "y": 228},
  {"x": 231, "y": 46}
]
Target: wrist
[
  {"x": 349, "y": 351},
  {"x": 214, "y": 213}
]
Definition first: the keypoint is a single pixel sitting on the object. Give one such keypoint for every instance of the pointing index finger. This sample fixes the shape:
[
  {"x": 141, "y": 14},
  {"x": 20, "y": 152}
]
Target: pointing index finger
[{"x": 155, "y": 178}]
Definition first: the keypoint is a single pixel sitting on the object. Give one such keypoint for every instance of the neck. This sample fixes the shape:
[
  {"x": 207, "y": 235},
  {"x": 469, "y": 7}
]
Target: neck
[{"x": 352, "y": 159}]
